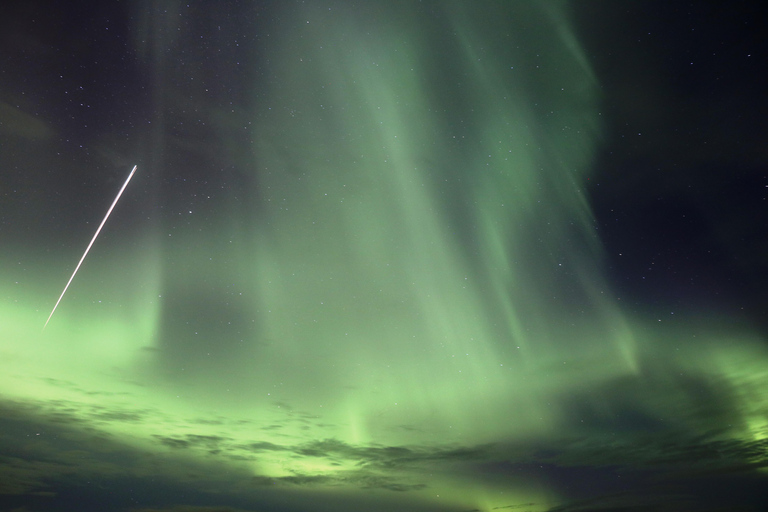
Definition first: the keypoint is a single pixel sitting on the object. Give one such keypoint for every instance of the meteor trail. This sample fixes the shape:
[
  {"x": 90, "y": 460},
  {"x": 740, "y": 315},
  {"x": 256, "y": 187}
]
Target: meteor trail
[{"x": 90, "y": 244}]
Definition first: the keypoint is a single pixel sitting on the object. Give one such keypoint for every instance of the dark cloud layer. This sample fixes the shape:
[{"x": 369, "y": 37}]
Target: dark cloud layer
[{"x": 50, "y": 460}]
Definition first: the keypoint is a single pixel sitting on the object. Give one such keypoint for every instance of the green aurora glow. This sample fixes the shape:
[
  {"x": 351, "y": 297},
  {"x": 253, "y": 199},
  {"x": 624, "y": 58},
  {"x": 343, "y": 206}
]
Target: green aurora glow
[{"x": 402, "y": 292}]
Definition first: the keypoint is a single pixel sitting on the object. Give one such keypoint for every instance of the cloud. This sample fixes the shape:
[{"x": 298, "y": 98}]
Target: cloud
[
  {"x": 191, "y": 508},
  {"x": 46, "y": 448}
]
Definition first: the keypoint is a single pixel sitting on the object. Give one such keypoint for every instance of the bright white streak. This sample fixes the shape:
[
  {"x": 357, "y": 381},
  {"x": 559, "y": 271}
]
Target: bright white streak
[{"x": 90, "y": 244}]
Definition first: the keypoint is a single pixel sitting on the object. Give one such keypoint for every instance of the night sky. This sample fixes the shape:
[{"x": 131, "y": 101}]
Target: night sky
[{"x": 384, "y": 256}]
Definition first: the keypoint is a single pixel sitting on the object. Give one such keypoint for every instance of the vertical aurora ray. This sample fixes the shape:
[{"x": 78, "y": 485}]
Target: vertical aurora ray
[{"x": 421, "y": 244}]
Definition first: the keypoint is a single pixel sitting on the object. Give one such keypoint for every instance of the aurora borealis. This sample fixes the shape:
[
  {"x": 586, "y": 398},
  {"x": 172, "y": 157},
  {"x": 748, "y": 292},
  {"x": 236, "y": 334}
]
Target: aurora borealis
[{"x": 374, "y": 258}]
